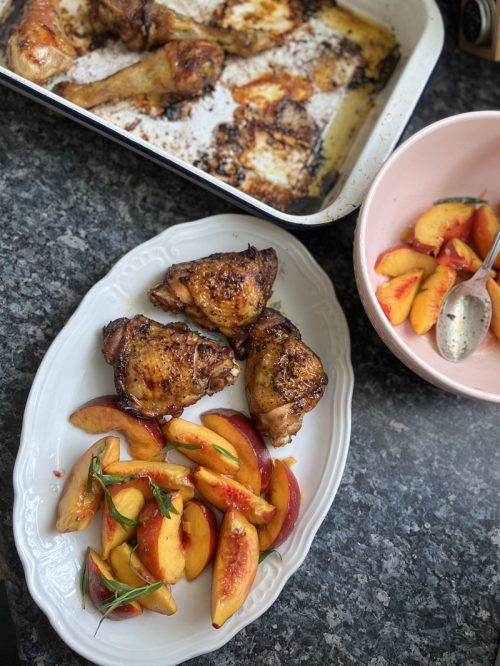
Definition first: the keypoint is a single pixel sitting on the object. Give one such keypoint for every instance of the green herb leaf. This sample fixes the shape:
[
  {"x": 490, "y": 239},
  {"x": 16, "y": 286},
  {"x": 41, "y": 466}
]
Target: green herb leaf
[
  {"x": 119, "y": 517},
  {"x": 84, "y": 582},
  {"x": 464, "y": 200},
  {"x": 163, "y": 500},
  {"x": 110, "y": 479},
  {"x": 422, "y": 289},
  {"x": 225, "y": 453},
  {"x": 123, "y": 594},
  {"x": 265, "y": 554},
  {"x": 172, "y": 446}
]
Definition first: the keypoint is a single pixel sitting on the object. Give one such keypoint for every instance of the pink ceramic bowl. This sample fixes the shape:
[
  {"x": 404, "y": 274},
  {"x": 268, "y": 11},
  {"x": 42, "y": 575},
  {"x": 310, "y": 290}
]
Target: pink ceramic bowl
[{"x": 457, "y": 156}]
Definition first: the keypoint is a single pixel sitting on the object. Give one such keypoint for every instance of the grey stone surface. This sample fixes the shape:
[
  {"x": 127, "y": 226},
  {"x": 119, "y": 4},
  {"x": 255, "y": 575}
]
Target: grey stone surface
[{"x": 405, "y": 568}]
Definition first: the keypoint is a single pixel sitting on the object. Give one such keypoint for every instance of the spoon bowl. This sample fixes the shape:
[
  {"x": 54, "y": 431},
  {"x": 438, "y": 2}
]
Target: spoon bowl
[{"x": 465, "y": 314}]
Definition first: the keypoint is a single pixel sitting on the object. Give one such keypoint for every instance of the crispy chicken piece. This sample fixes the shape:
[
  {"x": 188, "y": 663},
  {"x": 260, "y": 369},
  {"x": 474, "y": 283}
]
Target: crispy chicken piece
[
  {"x": 178, "y": 69},
  {"x": 224, "y": 292},
  {"x": 162, "y": 368},
  {"x": 38, "y": 47},
  {"x": 284, "y": 378},
  {"x": 145, "y": 24}
]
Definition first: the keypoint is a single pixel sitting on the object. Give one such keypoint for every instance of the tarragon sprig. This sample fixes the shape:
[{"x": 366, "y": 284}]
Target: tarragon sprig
[
  {"x": 464, "y": 200},
  {"x": 123, "y": 594},
  {"x": 104, "y": 480},
  {"x": 163, "y": 499},
  {"x": 265, "y": 554},
  {"x": 173, "y": 446}
]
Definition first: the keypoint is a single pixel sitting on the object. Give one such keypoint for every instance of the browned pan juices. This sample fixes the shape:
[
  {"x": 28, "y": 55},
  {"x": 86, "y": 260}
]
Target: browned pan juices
[{"x": 277, "y": 125}]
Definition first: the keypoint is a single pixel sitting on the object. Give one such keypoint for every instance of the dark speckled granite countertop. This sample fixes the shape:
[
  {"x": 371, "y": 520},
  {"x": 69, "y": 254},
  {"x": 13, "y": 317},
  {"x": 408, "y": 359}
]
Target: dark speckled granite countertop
[{"x": 405, "y": 568}]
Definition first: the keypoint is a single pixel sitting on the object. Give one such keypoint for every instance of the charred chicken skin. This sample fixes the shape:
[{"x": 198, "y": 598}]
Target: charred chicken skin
[
  {"x": 178, "y": 69},
  {"x": 38, "y": 47},
  {"x": 145, "y": 24},
  {"x": 162, "y": 368},
  {"x": 284, "y": 378},
  {"x": 224, "y": 292}
]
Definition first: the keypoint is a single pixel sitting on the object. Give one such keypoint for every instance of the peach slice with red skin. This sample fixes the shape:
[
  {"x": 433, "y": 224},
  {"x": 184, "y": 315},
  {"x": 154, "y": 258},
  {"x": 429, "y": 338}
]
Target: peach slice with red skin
[
  {"x": 159, "y": 541},
  {"x": 235, "y": 566},
  {"x": 427, "y": 303},
  {"x": 128, "y": 568},
  {"x": 129, "y": 502},
  {"x": 440, "y": 223},
  {"x": 77, "y": 504},
  {"x": 256, "y": 462},
  {"x": 284, "y": 494},
  {"x": 401, "y": 259},
  {"x": 102, "y": 414},
  {"x": 98, "y": 592},
  {"x": 494, "y": 292},
  {"x": 168, "y": 476},
  {"x": 211, "y": 446},
  {"x": 226, "y": 493},
  {"x": 459, "y": 255},
  {"x": 396, "y": 296},
  {"x": 200, "y": 537},
  {"x": 484, "y": 228}
]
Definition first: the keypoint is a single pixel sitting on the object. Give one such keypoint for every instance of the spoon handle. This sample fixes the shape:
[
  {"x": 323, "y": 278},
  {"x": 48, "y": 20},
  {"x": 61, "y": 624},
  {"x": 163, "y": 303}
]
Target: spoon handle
[{"x": 492, "y": 254}]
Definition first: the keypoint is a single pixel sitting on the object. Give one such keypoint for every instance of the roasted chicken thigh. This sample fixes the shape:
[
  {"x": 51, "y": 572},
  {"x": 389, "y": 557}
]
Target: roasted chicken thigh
[
  {"x": 177, "y": 70},
  {"x": 224, "y": 292},
  {"x": 145, "y": 24},
  {"x": 162, "y": 368},
  {"x": 284, "y": 378},
  {"x": 38, "y": 48}
]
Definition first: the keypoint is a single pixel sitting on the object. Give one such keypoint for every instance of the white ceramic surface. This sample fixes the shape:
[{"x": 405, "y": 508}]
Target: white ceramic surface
[
  {"x": 457, "y": 156},
  {"x": 419, "y": 31},
  {"x": 74, "y": 371}
]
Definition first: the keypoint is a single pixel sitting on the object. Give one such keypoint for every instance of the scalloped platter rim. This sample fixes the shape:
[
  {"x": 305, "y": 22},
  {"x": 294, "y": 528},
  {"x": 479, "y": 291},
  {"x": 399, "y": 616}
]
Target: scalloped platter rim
[{"x": 73, "y": 371}]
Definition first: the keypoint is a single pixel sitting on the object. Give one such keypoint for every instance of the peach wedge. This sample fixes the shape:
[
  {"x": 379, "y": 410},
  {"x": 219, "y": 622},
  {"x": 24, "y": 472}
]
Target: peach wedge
[
  {"x": 396, "y": 296},
  {"x": 399, "y": 260},
  {"x": 97, "y": 569},
  {"x": 256, "y": 463},
  {"x": 168, "y": 476},
  {"x": 159, "y": 542},
  {"x": 128, "y": 501},
  {"x": 226, "y": 493},
  {"x": 235, "y": 566},
  {"x": 484, "y": 228},
  {"x": 440, "y": 223},
  {"x": 205, "y": 446},
  {"x": 200, "y": 537},
  {"x": 102, "y": 414},
  {"x": 129, "y": 569},
  {"x": 494, "y": 291},
  {"x": 427, "y": 303},
  {"x": 459, "y": 255},
  {"x": 78, "y": 503},
  {"x": 284, "y": 494}
]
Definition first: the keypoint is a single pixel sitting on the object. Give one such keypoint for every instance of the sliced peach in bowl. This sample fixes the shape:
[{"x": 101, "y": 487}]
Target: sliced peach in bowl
[
  {"x": 159, "y": 541},
  {"x": 235, "y": 566},
  {"x": 256, "y": 463},
  {"x": 128, "y": 568},
  {"x": 484, "y": 228},
  {"x": 427, "y": 303},
  {"x": 226, "y": 493},
  {"x": 284, "y": 494},
  {"x": 102, "y": 414},
  {"x": 199, "y": 537},
  {"x": 402, "y": 259},
  {"x": 440, "y": 223},
  {"x": 79, "y": 500},
  {"x": 494, "y": 292},
  {"x": 204, "y": 446},
  {"x": 396, "y": 296}
]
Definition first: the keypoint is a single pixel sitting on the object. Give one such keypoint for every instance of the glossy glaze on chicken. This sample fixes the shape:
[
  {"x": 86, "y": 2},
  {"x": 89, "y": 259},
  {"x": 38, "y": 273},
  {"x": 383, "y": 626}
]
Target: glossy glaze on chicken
[
  {"x": 161, "y": 369},
  {"x": 224, "y": 292},
  {"x": 284, "y": 378}
]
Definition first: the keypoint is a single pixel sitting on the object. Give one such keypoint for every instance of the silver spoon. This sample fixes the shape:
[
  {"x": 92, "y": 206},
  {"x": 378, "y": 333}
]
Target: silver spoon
[{"x": 465, "y": 314}]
